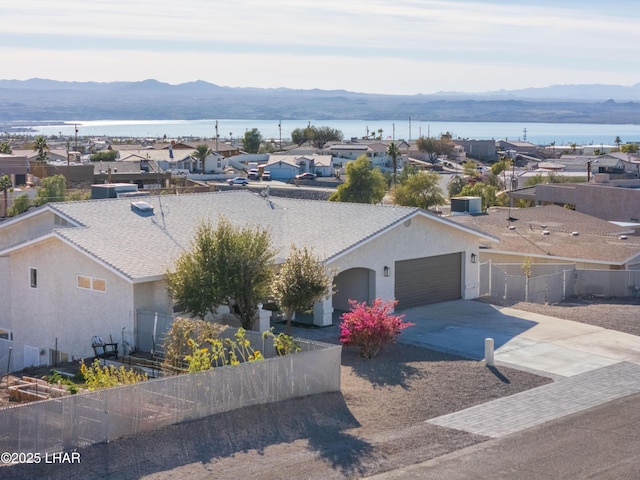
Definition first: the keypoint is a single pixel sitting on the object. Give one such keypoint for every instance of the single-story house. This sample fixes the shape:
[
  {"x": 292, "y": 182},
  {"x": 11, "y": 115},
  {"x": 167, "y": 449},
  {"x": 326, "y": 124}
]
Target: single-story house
[
  {"x": 284, "y": 167},
  {"x": 554, "y": 234},
  {"x": 74, "y": 270}
]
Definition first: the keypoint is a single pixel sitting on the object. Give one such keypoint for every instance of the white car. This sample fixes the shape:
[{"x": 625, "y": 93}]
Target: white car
[{"x": 237, "y": 181}]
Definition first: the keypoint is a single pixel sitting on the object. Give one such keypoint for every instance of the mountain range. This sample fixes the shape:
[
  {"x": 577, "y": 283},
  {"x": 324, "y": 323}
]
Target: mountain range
[{"x": 40, "y": 100}]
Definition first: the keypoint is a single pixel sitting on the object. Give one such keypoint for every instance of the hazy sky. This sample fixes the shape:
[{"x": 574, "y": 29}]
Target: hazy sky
[{"x": 372, "y": 46}]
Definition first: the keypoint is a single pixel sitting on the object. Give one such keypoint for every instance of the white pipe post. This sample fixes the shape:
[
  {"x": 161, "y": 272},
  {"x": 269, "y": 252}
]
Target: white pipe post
[{"x": 488, "y": 352}]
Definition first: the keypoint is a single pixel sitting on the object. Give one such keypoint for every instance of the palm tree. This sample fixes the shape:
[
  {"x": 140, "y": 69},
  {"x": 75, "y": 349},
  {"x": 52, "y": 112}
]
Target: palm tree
[
  {"x": 394, "y": 152},
  {"x": 201, "y": 153},
  {"x": 617, "y": 141},
  {"x": 40, "y": 146},
  {"x": 5, "y": 185}
]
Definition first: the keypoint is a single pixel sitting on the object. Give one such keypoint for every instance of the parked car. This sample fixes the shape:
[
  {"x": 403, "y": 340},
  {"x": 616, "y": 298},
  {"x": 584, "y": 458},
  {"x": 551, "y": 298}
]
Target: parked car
[
  {"x": 306, "y": 176},
  {"x": 266, "y": 175},
  {"x": 237, "y": 181}
]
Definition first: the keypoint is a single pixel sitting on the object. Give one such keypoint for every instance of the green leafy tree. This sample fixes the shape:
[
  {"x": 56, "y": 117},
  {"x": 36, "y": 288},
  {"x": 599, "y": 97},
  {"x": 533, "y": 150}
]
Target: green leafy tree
[
  {"x": 5, "y": 148},
  {"x": 364, "y": 184},
  {"x": 394, "y": 152},
  {"x": 20, "y": 205},
  {"x": 246, "y": 261},
  {"x": 301, "y": 281},
  {"x": 629, "y": 148},
  {"x": 550, "y": 178},
  {"x": 470, "y": 169},
  {"x": 226, "y": 265},
  {"x": 421, "y": 190},
  {"x": 488, "y": 193},
  {"x": 456, "y": 184},
  {"x": 435, "y": 147},
  {"x": 499, "y": 167},
  {"x": 104, "y": 156},
  {"x": 320, "y": 136},
  {"x": 5, "y": 186},
  {"x": 298, "y": 136},
  {"x": 40, "y": 145},
  {"x": 52, "y": 190},
  {"x": 200, "y": 154},
  {"x": 252, "y": 140},
  {"x": 194, "y": 282}
]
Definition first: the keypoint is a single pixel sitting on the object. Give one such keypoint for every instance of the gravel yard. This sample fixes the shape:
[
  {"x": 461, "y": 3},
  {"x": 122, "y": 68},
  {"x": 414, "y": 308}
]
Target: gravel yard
[{"x": 375, "y": 424}]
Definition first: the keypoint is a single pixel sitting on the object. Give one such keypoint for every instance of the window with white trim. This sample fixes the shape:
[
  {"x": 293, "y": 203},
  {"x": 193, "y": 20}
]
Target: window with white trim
[{"x": 90, "y": 283}]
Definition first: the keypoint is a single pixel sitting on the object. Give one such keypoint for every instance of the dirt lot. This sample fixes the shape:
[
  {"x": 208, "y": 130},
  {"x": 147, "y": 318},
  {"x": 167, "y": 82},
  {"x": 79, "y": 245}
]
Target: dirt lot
[{"x": 376, "y": 423}]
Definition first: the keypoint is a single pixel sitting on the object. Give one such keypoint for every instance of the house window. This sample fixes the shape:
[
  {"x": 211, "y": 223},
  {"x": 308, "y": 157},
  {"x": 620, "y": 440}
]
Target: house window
[
  {"x": 6, "y": 334},
  {"x": 90, "y": 283},
  {"x": 33, "y": 277},
  {"x": 99, "y": 284}
]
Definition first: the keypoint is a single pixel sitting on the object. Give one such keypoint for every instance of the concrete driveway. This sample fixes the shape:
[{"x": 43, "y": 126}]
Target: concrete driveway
[{"x": 528, "y": 341}]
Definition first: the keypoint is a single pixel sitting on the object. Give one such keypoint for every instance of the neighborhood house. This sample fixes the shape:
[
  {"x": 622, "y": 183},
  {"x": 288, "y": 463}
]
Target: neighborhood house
[{"x": 82, "y": 269}]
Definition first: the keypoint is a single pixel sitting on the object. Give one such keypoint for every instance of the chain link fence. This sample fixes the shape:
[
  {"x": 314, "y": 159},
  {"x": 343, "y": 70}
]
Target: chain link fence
[{"x": 554, "y": 283}]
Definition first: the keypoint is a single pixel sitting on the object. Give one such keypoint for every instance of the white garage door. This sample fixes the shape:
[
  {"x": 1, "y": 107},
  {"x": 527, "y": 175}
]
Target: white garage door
[{"x": 421, "y": 281}]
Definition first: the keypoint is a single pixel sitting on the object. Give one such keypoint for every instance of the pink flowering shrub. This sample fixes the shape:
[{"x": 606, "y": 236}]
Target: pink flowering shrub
[{"x": 371, "y": 327}]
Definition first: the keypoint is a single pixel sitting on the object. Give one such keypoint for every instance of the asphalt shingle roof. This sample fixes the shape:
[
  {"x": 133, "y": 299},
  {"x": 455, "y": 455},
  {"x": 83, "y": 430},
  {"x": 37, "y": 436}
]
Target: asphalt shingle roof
[{"x": 143, "y": 245}]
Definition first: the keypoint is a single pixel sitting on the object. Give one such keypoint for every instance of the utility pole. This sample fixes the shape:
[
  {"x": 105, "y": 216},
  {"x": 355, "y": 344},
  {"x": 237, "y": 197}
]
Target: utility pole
[
  {"x": 76, "y": 127},
  {"x": 393, "y": 137},
  {"x": 280, "y": 130},
  {"x": 409, "y": 128},
  {"x": 217, "y": 136}
]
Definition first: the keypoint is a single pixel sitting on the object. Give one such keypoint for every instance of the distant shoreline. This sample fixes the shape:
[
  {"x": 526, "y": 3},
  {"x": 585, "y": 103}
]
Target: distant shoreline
[{"x": 539, "y": 133}]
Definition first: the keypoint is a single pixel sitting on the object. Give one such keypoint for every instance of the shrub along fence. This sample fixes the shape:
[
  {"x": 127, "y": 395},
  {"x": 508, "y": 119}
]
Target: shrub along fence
[
  {"x": 105, "y": 415},
  {"x": 554, "y": 283}
]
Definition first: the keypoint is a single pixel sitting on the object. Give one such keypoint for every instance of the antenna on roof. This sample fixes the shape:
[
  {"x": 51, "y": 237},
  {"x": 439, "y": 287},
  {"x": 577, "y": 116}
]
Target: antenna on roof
[{"x": 164, "y": 226}]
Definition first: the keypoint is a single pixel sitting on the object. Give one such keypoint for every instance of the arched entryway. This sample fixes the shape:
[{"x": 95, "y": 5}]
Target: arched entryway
[{"x": 354, "y": 284}]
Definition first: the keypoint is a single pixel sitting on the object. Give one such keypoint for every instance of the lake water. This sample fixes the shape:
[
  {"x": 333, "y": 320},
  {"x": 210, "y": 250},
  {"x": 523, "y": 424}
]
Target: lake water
[{"x": 537, "y": 133}]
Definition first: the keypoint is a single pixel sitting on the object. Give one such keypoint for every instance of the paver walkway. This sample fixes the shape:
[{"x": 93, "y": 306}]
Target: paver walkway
[{"x": 533, "y": 407}]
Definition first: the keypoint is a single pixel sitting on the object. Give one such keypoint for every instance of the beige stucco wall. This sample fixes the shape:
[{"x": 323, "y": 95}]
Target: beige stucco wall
[
  {"x": 26, "y": 229},
  {"x": 606, "y": 202},
  {"x": 57, "y": 308},
  {"x": 419, "y": 237},
  {"x": 153, "y": 296}
]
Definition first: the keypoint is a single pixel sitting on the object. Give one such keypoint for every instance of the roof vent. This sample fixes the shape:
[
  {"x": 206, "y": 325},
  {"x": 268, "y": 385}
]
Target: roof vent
[
  {"x": 545, "y": 232},
  {"x": 574, "y": 234},
  {"x": 512, "y": 227},
  {"x": 622, "y": 237},
  {"x": 142, "y": 207}
]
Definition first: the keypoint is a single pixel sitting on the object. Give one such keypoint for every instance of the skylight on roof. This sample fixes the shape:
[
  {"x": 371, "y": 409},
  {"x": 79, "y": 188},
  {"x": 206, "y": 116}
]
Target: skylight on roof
[{"x": 142, "y": 206}]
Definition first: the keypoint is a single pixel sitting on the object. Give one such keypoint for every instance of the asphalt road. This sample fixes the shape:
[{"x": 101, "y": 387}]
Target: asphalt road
[{"x": 602, "y": 443}]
